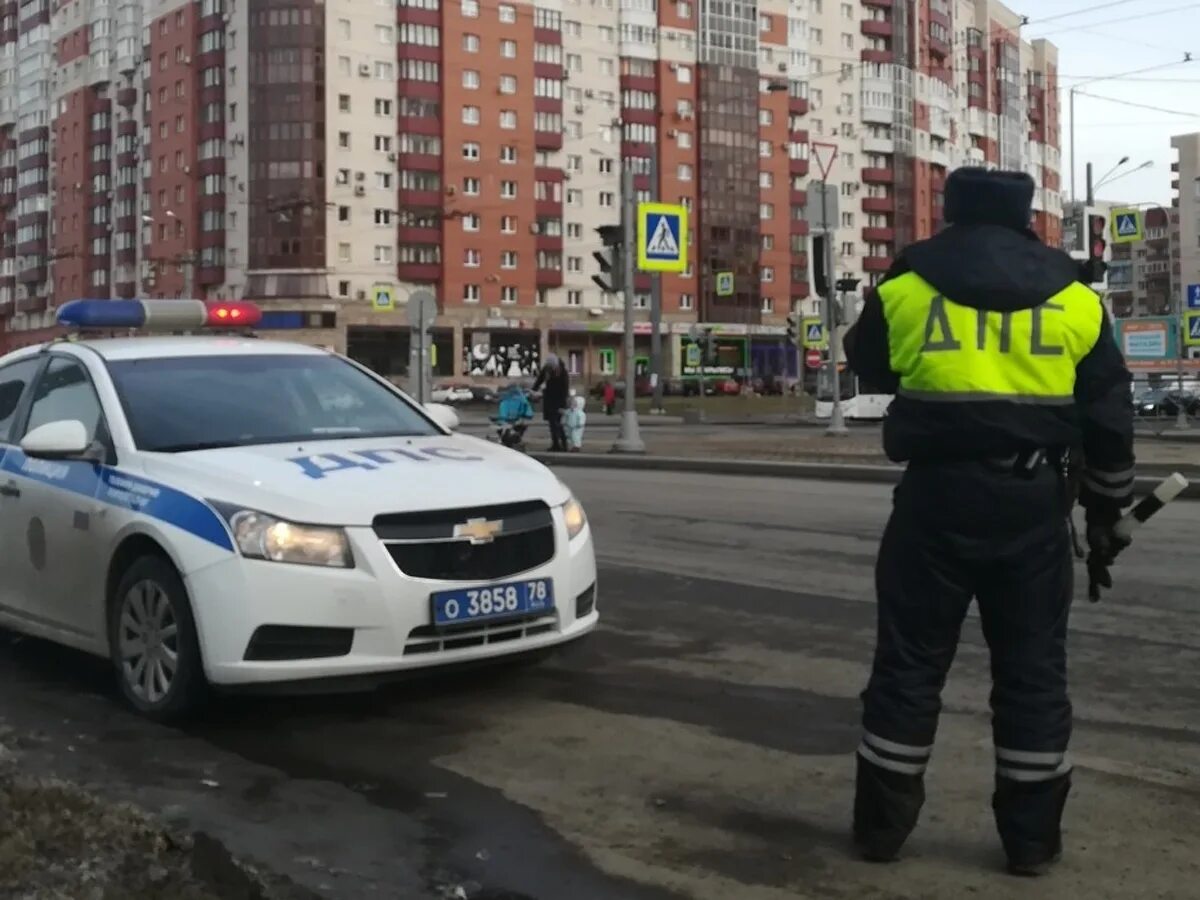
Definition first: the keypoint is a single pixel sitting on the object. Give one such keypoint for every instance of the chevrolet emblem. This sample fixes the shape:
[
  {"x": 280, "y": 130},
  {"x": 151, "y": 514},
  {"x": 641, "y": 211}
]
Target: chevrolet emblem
[{"x": 479, "y": 531}]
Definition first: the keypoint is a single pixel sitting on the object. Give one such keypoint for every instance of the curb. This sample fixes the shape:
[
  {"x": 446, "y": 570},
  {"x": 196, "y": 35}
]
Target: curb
[{"x": 818, "y": 471}]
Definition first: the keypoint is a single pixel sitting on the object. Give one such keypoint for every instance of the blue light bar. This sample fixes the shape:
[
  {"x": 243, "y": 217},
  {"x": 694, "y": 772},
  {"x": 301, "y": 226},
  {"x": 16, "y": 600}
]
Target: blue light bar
[{"x": 102, "y": 314}]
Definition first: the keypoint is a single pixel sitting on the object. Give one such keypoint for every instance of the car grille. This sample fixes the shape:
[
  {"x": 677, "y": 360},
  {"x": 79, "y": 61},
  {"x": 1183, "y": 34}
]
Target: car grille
[
  {"x": 431, "y": 639},
  {"x": 424, "y": 545}
]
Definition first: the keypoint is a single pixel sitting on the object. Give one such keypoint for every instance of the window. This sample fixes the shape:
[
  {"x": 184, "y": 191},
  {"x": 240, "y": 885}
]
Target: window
[
  {"x": 683, "y": 140},
  {"x": 64, "y": 392},
  {"x": 607, "y": 198},
  {"x": 344, "y": 103},
  {"x": 847, "y": 248},
  {"x": 13, "y": 381},
  {"x": 508, "y": 154},
  {"x": 847, "y": 41},
  {"x": 768, "y": 305},
  {"x": 508, "y": 224},
  {"x": 508, "y": 259},
  {"x": 508, "y": 84},
  {"x": 574, "y": 263},
  {"x": 507, "y": 14},
  {"x": 768, "y": 274},
  {"x": 686, "y": 301},
  {"x": 764, "y": 149},
  {"x": 383, "y": 180},
  {"x": 508, "y": 49},
  {"x": 766, "y": 211},
  {"x": 471, "y": 187},
  {"x": 508, "y": 119},
  {"x": 470, "y": 150},
  {"x": 574, "y": 298},
  {"x": 508, "y": 189},
  {"x": 344, "y": 140},
  {"x": 470, "y": 222},
  {"x": 470, "y": 43},
  {"x": 470, "y": 115},
  {"x": 383, "y": 217},
  {"x": 574, "y": 230},
  {"x": 472, "y": 258},
  {"x": 280, "y": 399},
  {"x": 766, "y": 180},
  {"x": 471, "y": 293},
  {"x": 470, "y": 9},
  {"x": 383, "y": 107},
  {"x": 383, "y": 253},
  {"x": 470, "y": 79},
  {"x": 385, "y": 34},
  {"x": 344, "y": 252},
  {"x": 508, "y": 294},
  {"x": 764, "y": 23},
  {"x": 683, "y": 172}
]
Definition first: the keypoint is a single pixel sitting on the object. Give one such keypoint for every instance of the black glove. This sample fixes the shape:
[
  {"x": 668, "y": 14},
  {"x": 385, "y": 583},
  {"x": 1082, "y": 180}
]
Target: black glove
[{"x": 1104, "y": 545}]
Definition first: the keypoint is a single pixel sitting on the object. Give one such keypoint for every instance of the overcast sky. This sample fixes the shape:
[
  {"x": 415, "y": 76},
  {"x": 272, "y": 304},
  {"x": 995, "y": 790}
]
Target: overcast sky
[{"x": 1112, "y": 38}]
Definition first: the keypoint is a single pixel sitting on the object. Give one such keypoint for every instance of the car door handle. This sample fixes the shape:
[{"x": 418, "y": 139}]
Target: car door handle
[{"x": 10, "y": 490}]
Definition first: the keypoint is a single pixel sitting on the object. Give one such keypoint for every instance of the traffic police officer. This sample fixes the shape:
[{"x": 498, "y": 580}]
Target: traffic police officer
[{"x": 1001, "y": 363}]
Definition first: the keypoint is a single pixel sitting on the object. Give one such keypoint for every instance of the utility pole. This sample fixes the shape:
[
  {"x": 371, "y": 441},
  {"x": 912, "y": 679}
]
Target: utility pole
[
  {"x": 656, "y": 355},
  {"x": 837, "y": 422},
  {"x": 629, "y": 439}
]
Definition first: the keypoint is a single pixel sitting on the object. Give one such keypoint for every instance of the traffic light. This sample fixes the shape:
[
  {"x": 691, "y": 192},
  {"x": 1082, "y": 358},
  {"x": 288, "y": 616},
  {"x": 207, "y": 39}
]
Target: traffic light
[
  {"x": 794, "y": 334},
  {"x": 1094, "y": 267},
  {"x": 613, "y": 237}
]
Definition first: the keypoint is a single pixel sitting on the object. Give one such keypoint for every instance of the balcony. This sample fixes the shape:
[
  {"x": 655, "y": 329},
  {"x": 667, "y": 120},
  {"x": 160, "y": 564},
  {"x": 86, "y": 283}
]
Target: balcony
[
  {"x": 878, "y": 4},
  {"x": 879, "y": 204},
  {"x": 878, "y": 56},
  {"x": 548, "y": 140},
  {"x": 208, "y": 276},
  {"x": 799, "y": 227},
  {"x": 883, "y": 235},
  {"x": 877, "y": 27},
  {"x": 939, "y": 46},
  {"x": 798, "y": 105},
  {"x": 420, "y": 273},
  {"x": 878, "y": 175},
  {"x": 415, "y": 199},
  {"x": 423, "y": 162},
  {"x": 549, "y": 278},
  {"x": 876, "y": 263},
  {"x": 798, "y": 166},
  {"x": 419, "y": 234},
  {"x": 549, "y": 243}
]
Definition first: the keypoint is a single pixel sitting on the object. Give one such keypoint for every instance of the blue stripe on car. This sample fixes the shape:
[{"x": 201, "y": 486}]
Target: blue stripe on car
[{"x": 123, "y": 491}]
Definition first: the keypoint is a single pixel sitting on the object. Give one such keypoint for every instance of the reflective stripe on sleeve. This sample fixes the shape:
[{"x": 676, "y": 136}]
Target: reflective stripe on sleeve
[
  {"x": 905, "y": 759},
  {"x": 1113, "y": 478},
  {"x": 1107, "y": 490}
]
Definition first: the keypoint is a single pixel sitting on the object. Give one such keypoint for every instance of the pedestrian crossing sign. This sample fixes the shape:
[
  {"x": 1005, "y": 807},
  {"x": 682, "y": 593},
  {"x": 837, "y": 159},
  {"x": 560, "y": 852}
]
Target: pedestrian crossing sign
[
  {"x": 662, "y": 236},
  {"x": 814, "y": 334},
  {"x": 1193, "y": 329},
  {"x": 1126, "y": 226},
  {"x": 724, "y": 284},
  {"x": 383, "y": 298}
]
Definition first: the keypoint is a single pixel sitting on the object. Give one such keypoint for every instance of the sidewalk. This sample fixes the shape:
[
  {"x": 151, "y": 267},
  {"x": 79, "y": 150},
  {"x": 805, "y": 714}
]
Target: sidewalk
[{"x": 804, "y": 445}]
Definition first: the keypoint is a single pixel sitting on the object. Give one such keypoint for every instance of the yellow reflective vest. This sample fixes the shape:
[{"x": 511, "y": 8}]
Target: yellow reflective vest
[{"x": 944, "y": 351}]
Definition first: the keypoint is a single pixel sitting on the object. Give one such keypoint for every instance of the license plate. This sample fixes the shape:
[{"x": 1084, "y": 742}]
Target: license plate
[{"x": 498, "y": 601}]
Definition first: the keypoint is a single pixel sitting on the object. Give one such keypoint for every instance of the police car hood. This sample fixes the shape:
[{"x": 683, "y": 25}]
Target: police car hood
[
  {"x": 350, "y": 482},
  {"x": 991, "y": 267}
]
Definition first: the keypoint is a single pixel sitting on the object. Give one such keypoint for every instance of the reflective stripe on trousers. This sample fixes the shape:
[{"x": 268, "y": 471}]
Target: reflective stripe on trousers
[
  {"x": 903, "y": 759},
  {"x": 1029, "y": 767}
]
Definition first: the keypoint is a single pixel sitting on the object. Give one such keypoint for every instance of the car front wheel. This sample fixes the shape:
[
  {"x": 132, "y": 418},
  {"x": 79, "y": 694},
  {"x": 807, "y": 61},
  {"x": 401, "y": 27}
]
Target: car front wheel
[{"x": 153, "y": 643}]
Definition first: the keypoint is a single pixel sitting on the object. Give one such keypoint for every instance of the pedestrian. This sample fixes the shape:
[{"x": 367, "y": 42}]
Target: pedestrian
[
  {"x": 556, "y": 382},
  {"x": 610, "y": 398},
  {"x": 575, "y": 421},
  {"x": 1002, "y": 362}
]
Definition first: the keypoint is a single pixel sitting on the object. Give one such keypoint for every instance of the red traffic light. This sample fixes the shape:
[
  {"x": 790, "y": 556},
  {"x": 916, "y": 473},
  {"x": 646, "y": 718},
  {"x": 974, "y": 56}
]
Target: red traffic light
[{"x": 1096, "y": 225}]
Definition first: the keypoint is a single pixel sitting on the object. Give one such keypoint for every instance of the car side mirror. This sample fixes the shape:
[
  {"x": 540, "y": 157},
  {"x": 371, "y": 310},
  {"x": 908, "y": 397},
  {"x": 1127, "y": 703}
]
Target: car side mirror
[
  {"x": 65, "y": 439},
  {"x": 443, "y": 415}
]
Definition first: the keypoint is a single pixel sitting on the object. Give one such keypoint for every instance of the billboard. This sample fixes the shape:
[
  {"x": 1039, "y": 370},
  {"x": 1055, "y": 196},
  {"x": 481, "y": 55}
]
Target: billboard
[{"x": 1148, "y": 338}]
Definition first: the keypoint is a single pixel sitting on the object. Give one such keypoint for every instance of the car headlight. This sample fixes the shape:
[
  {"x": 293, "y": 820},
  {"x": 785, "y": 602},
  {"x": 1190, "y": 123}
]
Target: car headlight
[
  {"x": 574, "y": 517},
  {"x": 259, "y": 536}
]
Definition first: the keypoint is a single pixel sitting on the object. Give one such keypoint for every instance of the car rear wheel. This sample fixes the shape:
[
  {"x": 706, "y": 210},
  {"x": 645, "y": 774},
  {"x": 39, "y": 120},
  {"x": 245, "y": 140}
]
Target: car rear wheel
[{"x": 152, "y": 636}]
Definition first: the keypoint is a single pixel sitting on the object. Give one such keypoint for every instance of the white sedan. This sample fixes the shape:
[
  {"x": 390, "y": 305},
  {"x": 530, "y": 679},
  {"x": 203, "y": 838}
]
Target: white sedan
[{"x": 226, "y": 511}]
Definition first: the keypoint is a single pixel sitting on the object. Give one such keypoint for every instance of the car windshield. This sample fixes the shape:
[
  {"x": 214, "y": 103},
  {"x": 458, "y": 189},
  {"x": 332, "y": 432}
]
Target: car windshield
[{"x": 207, "y": 402}]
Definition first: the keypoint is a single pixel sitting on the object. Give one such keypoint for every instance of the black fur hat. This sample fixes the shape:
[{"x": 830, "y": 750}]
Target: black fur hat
[{"x": 977, "y": 196}]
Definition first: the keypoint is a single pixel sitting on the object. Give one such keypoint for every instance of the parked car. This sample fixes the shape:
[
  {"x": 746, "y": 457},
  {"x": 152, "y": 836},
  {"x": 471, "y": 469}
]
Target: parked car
[{"x": 1166, "y": 403}]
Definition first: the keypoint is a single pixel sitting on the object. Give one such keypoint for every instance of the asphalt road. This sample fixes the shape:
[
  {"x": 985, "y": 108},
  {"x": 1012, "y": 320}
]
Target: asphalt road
[{"x": 698, "y": 746}]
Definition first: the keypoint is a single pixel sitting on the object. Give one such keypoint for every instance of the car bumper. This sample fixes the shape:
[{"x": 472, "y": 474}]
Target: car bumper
[{"x": 388, "y": 613}]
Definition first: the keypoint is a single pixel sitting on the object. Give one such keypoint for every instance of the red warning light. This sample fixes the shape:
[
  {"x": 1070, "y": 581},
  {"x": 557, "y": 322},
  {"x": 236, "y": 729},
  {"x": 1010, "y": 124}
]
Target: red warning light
[{"x": 233, "y": 314}]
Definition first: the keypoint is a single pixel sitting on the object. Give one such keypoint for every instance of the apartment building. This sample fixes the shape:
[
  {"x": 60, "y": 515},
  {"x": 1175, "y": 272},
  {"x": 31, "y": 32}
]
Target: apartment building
[
  {"x": 1185, "y": 209},
  {"x": 1139, "y": 276},
  {"x": 315, "y": 155}
]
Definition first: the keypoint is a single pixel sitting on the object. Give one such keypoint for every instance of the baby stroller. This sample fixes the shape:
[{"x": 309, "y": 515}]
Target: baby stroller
[{"x": 513, "y": 417}]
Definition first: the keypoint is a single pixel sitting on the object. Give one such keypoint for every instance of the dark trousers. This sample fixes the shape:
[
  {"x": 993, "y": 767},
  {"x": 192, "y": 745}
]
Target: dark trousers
[
  {"x": 956, "y": 533},
  {"x": 558, "y": 434}
]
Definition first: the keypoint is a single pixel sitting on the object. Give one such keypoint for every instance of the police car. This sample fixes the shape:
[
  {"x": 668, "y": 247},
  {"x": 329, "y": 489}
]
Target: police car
[{"x": 216, "y": 510}]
